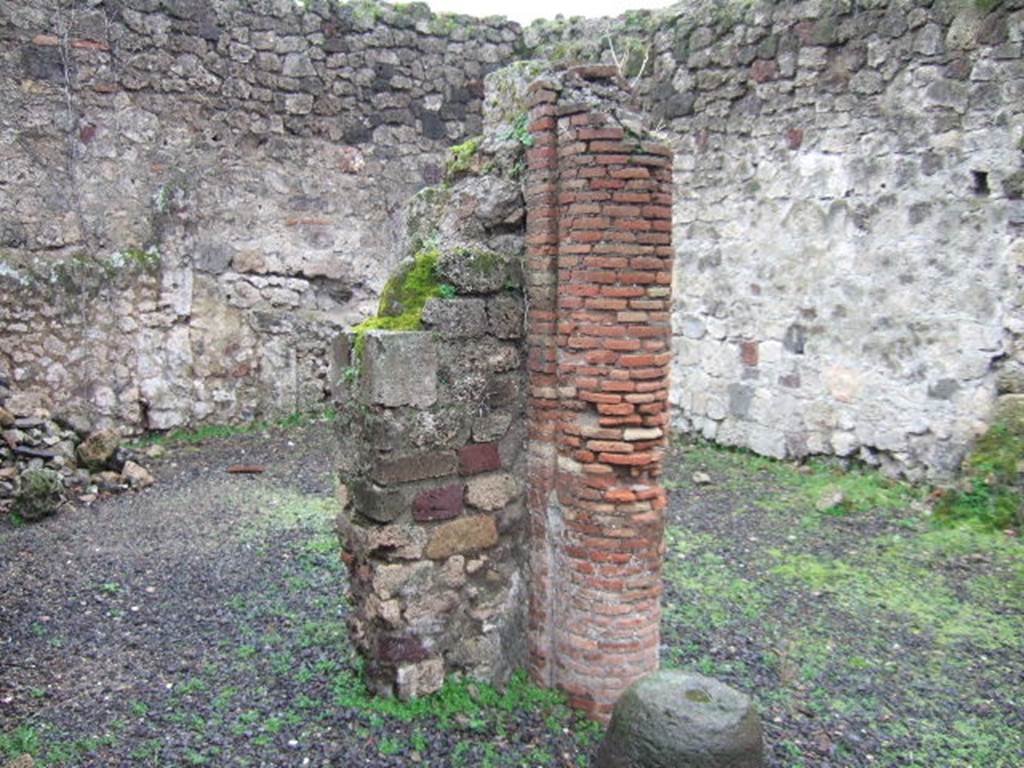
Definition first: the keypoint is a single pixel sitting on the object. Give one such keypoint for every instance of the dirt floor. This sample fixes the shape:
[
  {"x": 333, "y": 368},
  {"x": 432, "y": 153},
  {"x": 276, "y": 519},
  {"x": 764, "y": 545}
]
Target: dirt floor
[{"x": 201, "y": 622}]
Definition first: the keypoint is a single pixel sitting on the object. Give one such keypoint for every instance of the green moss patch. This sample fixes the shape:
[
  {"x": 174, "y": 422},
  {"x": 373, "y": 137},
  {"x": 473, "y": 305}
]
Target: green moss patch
[{"x": 403, "y": 298}]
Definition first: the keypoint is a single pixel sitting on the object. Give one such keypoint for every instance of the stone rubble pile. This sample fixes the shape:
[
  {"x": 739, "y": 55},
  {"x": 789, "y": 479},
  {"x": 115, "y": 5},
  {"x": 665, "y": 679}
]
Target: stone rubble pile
[{"x": 45, "y": 464}]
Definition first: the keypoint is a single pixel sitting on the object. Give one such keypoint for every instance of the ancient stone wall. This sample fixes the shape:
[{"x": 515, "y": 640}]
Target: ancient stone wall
[
  {"x": 599, "y": 247},
  {"x": 848, "y": 188},
  {"x": 848, "y": 199},
  {"x": 256, "y": 153}
]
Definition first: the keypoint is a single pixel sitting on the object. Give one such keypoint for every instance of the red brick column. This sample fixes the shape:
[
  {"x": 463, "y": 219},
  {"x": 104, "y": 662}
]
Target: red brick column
[{"x": 600, "y": 266}]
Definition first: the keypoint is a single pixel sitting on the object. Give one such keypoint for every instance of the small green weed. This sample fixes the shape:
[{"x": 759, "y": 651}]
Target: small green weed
[
  {"x": 220, "y": 431},
  {"x": 22, "y": 740},
  {"x": 460, "y": 157},
  {"x": 519, "y": 131}
]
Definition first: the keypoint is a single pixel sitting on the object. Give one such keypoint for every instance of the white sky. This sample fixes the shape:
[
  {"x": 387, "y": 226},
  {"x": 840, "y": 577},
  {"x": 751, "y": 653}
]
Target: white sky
[{"x": 525, "y": 11}]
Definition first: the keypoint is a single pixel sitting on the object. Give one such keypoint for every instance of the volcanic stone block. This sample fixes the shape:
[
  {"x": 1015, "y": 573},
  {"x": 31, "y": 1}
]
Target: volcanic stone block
[
  {"x": 672, "y": 719},
  {"x": 491, "y": 492},
  {"x": 419, "y": 679},
  {"x": 476, "y": 269},
  {"x": 438, "y": 503},
  {"x": 399, "y": 368},
  {"x": 456, "y": 318},
  {"x": 505, "y": 317},
  {"x": 479, "y": 457},
  {"x": 376, "y": 503},
  {"x": 463, "y": 535},
  {"x": 400, "y": 541},
  {"x": 417, "y": 466}
]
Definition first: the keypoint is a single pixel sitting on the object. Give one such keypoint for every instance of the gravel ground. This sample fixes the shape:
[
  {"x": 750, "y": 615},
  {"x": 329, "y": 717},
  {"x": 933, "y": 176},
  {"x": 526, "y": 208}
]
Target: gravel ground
[
  {"x": 201, "y": 622},
  {"x": 868, "y": 636}
]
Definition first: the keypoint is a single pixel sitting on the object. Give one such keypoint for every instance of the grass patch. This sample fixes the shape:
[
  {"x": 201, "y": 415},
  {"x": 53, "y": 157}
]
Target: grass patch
[
  {"x": 220, "y": 431},
  {"x": 795, "y": 486},
  {"x": 287, "y": 510},
  {"x": 899, "y": 575},
  {"x": 478, "y": 704},
  {"x": 991, "y": 496},
  {"x": 714, "y": 595}
]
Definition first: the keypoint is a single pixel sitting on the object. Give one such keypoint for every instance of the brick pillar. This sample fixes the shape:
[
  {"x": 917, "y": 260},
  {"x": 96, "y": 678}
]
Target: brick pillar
[{"x": 599, "y": 291}]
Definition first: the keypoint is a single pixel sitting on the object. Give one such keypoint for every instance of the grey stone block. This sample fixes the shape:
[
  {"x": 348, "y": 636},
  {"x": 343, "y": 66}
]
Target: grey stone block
[
  {"x": 475, "y": 269},
  {"x": 505, "y": 316},
  {"x": 679, "y": 720},
  {"x": 456, "y": 318},
  {"x": 399, "y": 368},
  {"x": 377, "y": 503}
]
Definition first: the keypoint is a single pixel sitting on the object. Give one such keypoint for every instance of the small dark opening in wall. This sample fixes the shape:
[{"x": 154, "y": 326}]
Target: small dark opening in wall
[{"x": 980, "y": 187}]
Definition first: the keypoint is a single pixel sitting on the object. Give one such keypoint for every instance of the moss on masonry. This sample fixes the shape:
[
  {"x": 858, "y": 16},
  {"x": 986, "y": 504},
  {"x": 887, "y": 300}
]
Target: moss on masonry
[
  {"x": 79, "y": 271},
  {"x": 403, "y": 298}
]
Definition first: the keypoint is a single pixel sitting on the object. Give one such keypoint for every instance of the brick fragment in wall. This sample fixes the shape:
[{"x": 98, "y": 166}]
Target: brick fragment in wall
[
  {"x": 479, "y": 457},
  {"x": 441, "y": 503}
]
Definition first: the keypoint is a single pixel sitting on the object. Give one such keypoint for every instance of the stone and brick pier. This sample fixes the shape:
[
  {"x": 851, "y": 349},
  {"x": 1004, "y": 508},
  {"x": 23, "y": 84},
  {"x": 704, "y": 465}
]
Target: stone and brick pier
[{"x": 496, "y": 465}]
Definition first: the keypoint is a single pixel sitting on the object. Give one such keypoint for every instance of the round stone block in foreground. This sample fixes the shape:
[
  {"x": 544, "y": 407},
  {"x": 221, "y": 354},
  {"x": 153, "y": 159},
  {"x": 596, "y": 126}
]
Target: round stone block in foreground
[{"x": 673, "y": 719}]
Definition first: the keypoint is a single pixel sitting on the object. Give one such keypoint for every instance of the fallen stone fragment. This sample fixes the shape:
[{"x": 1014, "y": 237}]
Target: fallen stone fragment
[
  {"x": 673, "y": 719},
  {"x": 702, "y": 478},
  {"x": 136, "y": 475},
  {"x": 108, "y": 480},
  {"x": 829, "y": 499},
  {"x": 155, "y": 451},
  {"x": 40, "y": 493},
  {"x": 246, "y": 469},
  {"x": 98, "y": 449},
  {"x": 34, "y": 453}
]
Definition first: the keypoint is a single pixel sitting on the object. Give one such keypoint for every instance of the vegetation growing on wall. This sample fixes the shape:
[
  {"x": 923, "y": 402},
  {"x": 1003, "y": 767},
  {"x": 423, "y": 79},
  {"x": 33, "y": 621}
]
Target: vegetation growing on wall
[
  {"x": 460, "y": 158},
  {"x": 404, "y": 296},
  {"x": 990, "y": 494}
]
